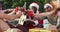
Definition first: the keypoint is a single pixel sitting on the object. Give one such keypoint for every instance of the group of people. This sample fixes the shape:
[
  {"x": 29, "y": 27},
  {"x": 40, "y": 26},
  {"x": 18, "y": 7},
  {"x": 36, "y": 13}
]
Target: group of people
[{"x": 30, "y": 18}]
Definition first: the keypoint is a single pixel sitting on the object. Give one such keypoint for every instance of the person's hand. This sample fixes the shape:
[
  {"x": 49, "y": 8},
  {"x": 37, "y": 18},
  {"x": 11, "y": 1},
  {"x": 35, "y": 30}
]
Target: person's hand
[
  {"x": 36, "y": 16},
  {"x": 19, "y": 12},
  {"x": 10, "y": 10}
]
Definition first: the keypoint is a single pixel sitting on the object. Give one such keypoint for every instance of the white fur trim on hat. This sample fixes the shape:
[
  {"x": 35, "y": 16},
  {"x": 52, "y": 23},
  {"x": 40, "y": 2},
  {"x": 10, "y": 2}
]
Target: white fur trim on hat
[
  {"x": 46, "y": 5},
  {"x": 35, "y": 5}
]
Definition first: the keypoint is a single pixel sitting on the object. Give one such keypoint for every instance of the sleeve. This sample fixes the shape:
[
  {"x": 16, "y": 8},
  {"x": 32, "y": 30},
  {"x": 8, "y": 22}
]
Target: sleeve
[{"x": 42, "y": 17}]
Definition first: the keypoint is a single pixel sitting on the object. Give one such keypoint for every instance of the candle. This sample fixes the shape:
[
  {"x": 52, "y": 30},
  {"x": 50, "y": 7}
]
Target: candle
[{"x": 16, "y": 9}]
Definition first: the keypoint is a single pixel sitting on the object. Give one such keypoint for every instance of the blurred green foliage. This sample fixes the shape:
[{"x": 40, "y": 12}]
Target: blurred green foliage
[{"x": 13, "y": 3}]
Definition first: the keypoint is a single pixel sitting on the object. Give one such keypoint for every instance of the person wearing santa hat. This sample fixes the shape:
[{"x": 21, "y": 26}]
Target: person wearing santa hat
[
  {"x": 52, "y": 18},
  {"x": 50, "y": 15},
  {"x": 34, "y": 7}
]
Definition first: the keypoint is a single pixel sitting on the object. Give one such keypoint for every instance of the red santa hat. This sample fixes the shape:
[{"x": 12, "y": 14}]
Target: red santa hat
[
  {"x": 34, "y": 4},
  {"x": 48, "y": 5}
]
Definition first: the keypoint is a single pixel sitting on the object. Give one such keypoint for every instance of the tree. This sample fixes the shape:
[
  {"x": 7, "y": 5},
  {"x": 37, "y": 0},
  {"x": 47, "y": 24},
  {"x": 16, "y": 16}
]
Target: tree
[{"x": 13, "y": 3}]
